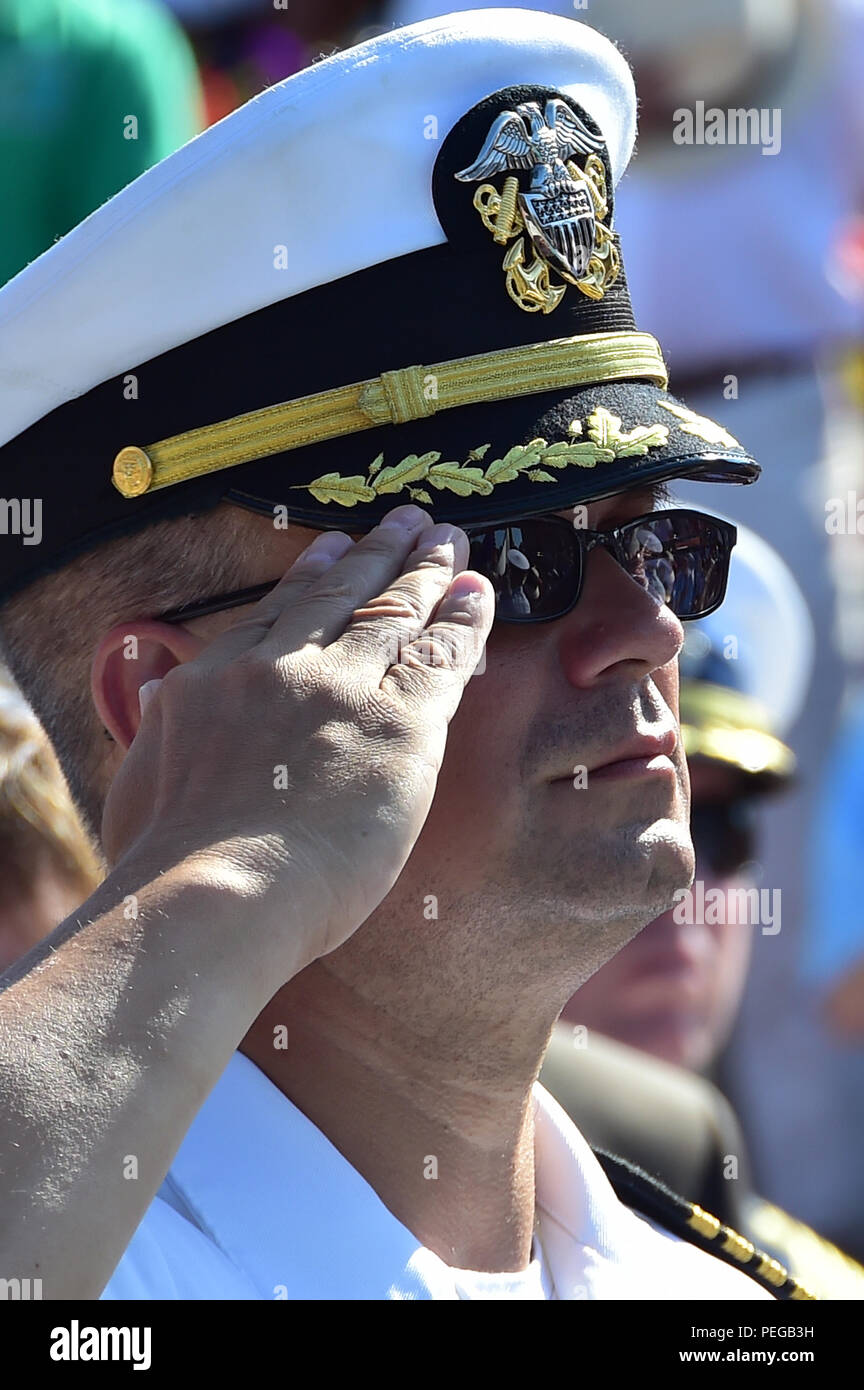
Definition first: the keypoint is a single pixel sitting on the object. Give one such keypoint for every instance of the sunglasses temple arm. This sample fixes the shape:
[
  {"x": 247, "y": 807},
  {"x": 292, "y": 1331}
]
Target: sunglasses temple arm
[{"x": 219, "y": 604}]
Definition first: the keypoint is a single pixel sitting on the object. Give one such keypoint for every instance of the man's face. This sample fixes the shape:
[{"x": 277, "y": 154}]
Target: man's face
[
  {"x": 560, "y": 821},
  {"x": 563, "y": 799}
]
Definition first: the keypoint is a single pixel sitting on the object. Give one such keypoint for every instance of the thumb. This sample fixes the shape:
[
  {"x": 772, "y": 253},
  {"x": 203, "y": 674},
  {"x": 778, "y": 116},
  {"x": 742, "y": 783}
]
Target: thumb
[{"x": 146, "y": 693}]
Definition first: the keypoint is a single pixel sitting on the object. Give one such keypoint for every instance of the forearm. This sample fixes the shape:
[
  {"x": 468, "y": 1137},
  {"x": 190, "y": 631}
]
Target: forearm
[{"x": 112, "y": 1034}]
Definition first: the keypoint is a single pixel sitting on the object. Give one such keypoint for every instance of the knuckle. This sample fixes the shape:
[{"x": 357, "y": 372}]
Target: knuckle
[
  {"x": 298, "y": 676},
  {"x": 250, "y": 668},
  {"x": 328, "y": 589},
  {"x": 380, "y": 717},
  {"x": 333, "y": 686},
  {"x": 410, "y": 679},
  {"x": 438, "y": 649},
  {"x": 254, "y": 678},
  {"x": 402, "y": 602}
]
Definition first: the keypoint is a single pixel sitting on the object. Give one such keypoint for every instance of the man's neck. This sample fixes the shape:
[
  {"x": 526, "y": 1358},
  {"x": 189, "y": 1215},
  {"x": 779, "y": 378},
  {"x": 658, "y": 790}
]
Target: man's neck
[{"x": 447, "y": 1142}]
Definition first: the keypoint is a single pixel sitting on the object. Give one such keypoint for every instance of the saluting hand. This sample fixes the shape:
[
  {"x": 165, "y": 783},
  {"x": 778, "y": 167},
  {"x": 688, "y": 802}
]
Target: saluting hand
[{"x": 297, "y": 755}]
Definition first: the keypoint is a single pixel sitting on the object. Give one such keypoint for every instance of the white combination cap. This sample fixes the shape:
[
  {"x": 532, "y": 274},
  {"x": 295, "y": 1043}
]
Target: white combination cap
[{"x": 394, "y": 275}]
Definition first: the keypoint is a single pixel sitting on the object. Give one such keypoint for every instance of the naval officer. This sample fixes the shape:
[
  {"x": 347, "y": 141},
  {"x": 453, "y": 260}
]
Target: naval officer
[{"x": 307, "y": 1008}]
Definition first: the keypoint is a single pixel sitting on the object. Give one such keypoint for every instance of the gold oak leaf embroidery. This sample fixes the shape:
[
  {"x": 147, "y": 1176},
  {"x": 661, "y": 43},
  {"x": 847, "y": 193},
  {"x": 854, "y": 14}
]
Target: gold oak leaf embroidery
[
  {"x": 330, "y": 487},
  {"x": 700, "y": 425},
  {"x": 521, "y": 456},
  {"x": 606, "y": 441},
  {"x": 459, "y": 478},
  {"x": 605, "y": 429},
  {"x": 412, "y": 468},
  {"x": 584, "y": 453}
]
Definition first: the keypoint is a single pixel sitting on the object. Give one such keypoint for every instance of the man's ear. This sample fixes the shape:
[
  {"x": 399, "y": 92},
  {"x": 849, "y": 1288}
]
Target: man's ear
[{"x": 127, "y": 657}]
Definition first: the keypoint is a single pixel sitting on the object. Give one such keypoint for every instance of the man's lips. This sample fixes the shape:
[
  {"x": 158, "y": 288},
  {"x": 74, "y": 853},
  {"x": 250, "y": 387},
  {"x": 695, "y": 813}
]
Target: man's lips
[
  {"x": 642, "y": 755},
  {"x": 632, "y": 767}
]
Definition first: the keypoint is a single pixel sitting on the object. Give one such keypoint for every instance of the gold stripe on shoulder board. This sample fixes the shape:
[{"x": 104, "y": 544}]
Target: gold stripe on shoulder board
[{"x": 729, "y": 1242}]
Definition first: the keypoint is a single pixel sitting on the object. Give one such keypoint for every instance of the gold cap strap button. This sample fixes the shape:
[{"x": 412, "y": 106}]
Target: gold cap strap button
[{"x": 133, "y": 471}]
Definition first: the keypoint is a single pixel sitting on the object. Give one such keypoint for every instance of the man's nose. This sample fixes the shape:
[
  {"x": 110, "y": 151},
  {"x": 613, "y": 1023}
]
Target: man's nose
[{"x": 615, "y": 625}]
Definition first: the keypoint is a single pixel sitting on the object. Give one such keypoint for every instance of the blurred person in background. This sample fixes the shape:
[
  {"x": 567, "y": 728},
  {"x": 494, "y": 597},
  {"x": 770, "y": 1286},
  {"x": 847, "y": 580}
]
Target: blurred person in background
[
  {"x": 674, "y": 990},
  {"x": 91, "y": 94},
  {"x": 47, "y": 864},
  {"x": 243, "y": 46},
  {"x": 763, "y": 333}
]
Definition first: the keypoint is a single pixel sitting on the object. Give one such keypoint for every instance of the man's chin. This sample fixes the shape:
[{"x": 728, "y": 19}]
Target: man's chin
[
  {"x": 671, "y": 865},
  {"x": 631, "y": 852},
  {"x": 634, "y": 890},
  {"x": 641, "y": 868}
]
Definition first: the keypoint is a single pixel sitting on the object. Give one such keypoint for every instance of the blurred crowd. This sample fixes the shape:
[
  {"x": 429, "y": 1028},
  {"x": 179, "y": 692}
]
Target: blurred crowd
[{"x": 746, "y": 260}]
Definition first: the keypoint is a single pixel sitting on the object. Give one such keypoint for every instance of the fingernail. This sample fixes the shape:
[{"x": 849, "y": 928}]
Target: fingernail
[
  {"x": 146, "y": 693},
  {"x": 407, "y": 518},
  {"x": 326, "y": 549},
  {"x": 442, "y": 534},
  {"x": 466, "y": 589}
]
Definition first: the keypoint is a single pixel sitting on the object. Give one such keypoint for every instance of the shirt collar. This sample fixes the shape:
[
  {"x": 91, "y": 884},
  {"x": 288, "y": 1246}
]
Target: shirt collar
[{"x": 268, "y": 1187}]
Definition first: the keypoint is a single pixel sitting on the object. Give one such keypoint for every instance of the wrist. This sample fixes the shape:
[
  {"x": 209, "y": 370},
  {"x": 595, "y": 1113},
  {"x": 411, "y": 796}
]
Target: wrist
[{"x": 222, "y": 911}]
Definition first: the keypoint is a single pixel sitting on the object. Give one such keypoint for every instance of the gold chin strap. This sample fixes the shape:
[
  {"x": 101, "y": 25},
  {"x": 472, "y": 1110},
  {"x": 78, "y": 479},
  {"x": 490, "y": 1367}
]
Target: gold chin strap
[{"x": 390, "y": 399}]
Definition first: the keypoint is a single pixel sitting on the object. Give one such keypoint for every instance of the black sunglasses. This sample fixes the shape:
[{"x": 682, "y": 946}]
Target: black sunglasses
[{"x": 537, "y": 565}]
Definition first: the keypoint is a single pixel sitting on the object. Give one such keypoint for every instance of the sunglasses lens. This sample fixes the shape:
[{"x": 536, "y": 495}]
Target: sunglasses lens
[
  {"x": 534, "y": 567},
  {"x": 681, "y": 558}
]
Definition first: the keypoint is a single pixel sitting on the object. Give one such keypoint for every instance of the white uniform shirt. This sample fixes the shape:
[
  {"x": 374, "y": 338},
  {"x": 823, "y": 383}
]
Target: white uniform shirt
[{"x": 259, "y": 1204}]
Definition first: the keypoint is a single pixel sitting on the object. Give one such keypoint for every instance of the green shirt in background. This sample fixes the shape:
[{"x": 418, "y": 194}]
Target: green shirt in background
[{"x": 72, "y": 73}]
